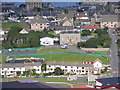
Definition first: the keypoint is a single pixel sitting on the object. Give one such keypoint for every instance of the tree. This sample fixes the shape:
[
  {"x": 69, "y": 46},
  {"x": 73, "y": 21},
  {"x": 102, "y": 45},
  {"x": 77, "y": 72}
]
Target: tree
[
  {"x": 33, "y": 72},
  {"x": 22, "y": 6},
  {"x": 86, "y": 32},
  {"x": 26, "y": 73},
  {"x": 44, "y": 67},
  {"x": 58, "y": 71},
  {"x": 118, "y": 42},
  {"x": 18, "y": 73}
]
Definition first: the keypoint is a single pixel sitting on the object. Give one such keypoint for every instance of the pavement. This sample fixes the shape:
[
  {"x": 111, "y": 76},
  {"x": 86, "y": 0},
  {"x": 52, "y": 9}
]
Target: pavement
[{"x": 114, "y": 62}]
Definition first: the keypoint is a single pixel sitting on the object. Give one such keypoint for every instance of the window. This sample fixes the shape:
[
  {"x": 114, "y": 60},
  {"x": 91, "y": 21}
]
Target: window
[
  {"x": 2, "y": 72},
  {"x": 65, "y": 66},
  {"x": 77, "y": 67},
  {"x": 82, "y": 67},
  {"x": 86, "y": 71},
  {"x": 71, "y": 67},
  {"x": 11, "y": 72},
  {"x": 82, "y": 70},
  {"x": 49, "y": 66},
  {"x": 2, "y": 68},
  {"x": 14, "y": 68}
]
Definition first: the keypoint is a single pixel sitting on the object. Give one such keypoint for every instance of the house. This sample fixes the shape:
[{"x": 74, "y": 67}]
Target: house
[
  {"x": 69, "y": 37},
  {"x": 107, "y": 21},
  {"x": 97, "y": 66},
  {"x": 65, "y": 19},
  {"x": 95, "y": 20},
  {"x": 39, "y": 23},
  {"x": 46, "y": 41},
  {"x": 24, "y": 31},
  {"x": 9, "y": 70},
  {"x": 66, "y": 22},
  {"x": 2, "y": 33},
  {"x": 82, "y": 16},
  {"x": 108, "y": 83}
]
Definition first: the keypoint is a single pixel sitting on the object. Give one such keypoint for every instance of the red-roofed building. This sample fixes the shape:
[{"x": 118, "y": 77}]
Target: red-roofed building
[
  {"x": 91, "y": 27},
  {"x": 82, "y": 87},
  {"x": 7, "y": 28}
]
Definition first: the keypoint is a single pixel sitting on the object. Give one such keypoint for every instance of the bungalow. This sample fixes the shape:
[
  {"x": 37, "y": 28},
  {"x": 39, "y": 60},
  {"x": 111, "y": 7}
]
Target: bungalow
[{"x": 48, "y": 40}]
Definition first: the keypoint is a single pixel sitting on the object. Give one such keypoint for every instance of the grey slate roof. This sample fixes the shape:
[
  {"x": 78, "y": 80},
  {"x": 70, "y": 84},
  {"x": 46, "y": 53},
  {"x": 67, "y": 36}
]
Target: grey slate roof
[
  {"x": 70, "y": 64},
  {"x": 63, "y": 27},
  {"x": 109, "y": 18},
  {"x": 70, "y": 32},
  {"x": 48, "y": 63},
  {"x": 39, "y": 19},
  {"x": 69, "y": 15}
]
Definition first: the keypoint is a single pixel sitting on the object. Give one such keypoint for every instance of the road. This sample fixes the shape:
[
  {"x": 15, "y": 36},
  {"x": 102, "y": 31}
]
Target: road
[
  {"x": 17, "y": 52},
  {"x": 114, "y": 54}
]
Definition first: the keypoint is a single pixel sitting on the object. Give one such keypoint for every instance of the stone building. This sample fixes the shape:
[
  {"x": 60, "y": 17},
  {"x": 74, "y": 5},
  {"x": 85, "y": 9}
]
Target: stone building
[
  {"x": 31, "y": 4},
  {"x": 69, "y": 37}
]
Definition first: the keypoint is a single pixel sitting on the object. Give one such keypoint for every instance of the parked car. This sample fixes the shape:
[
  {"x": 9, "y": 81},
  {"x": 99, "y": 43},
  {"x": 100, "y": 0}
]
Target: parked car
[
  {"x": 88, "y": 51},
  {"x": 64, "y": 47},
  {"x": 16, "y": 77}
]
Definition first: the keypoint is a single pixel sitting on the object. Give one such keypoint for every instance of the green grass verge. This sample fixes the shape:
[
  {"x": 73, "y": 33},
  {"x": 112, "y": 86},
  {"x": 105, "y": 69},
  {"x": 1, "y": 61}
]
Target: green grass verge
[
  {"x": 103, "y": 52},
  {"x": 9, "y": 25},
  {"x": 68, "y": 57},
  {"x": 51, "y": 50}
]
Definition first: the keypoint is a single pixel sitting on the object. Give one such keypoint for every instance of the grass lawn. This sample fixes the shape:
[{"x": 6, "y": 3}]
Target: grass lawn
[
  {"x": 107, "y": 72},
  {"x": 103, "y": 52},
  {"x": 38, "y": 79},
  {"x": 51, "y": 50},
  {"x": 76, "y": 85},
  {"x": 9, "y": 25},
  {"x": 68, "y": 57}
]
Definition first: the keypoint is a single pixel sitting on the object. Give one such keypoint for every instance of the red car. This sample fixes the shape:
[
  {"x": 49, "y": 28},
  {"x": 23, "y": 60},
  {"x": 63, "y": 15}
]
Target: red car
[
  {"x": 27, "y": 50},
  {"x": 12, "y": 50},
  {"x": 16, "y": 77}
]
